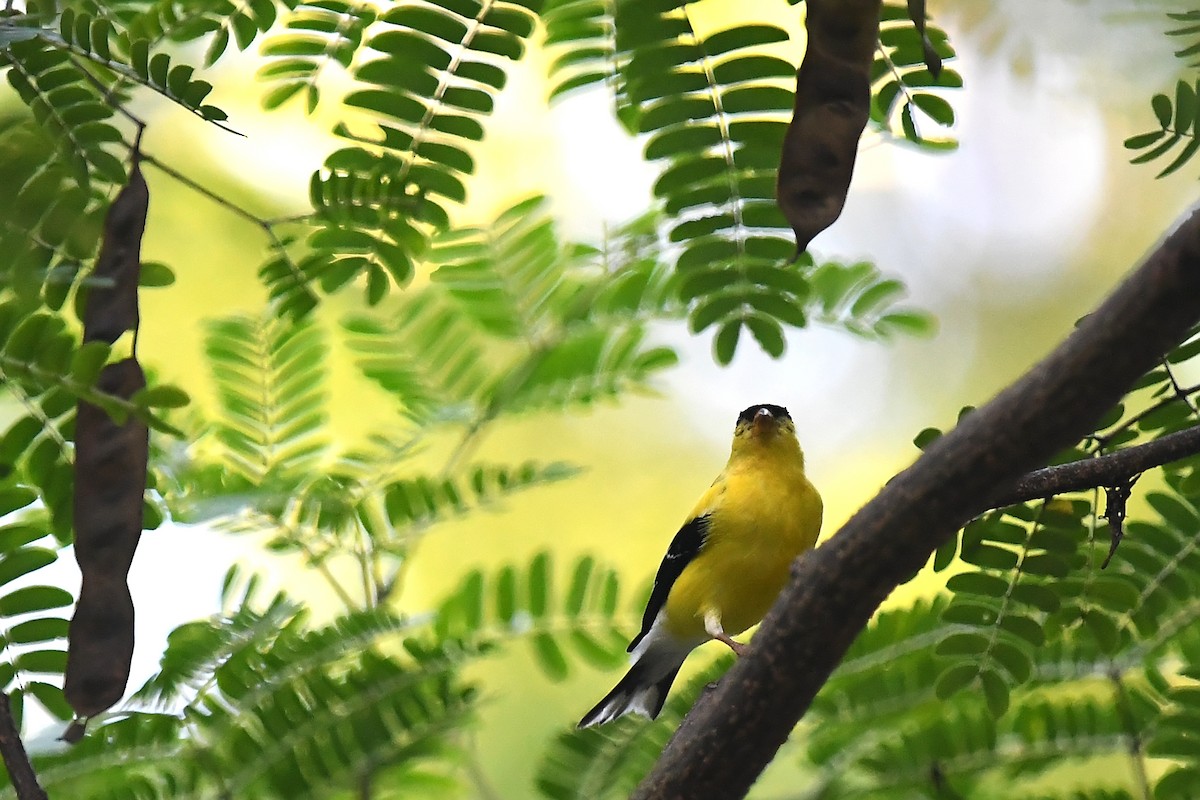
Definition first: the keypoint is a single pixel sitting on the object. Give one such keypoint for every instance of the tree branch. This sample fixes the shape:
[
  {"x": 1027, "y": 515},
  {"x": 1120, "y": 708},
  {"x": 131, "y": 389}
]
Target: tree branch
[
  {"x": 1112, "y": 469},
  {"x": 16, "y": 760},
  {"x": 733, "y": 733}
]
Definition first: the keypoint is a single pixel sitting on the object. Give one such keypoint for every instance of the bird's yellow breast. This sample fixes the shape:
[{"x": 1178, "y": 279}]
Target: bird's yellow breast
[{"x": 763, "y": 513}]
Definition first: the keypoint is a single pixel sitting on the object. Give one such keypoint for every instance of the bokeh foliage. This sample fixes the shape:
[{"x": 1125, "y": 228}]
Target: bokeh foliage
[{"x": 1033, "y": 658}]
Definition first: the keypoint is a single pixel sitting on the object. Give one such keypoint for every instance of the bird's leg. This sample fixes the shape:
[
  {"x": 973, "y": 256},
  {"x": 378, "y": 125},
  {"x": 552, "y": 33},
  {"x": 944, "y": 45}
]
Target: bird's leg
[{"x": 712, "y": 626}]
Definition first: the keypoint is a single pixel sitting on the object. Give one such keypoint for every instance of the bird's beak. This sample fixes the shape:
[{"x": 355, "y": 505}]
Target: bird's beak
[{"x": 763, "y": 421}]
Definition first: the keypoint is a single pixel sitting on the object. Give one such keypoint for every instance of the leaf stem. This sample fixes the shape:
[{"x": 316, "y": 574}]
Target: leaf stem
[
  {"x": 323, "y": 569},
  {"x": 268, "y": 226},
  {"x": 1103, "y": 441},
  {"x": 126, "y": 73},
  {"x": 109, "y": 95},
  {"x": 1133, "y": 735},
  {"x": 1180, "y": 392},
  {"x": 475, "y": 771}
]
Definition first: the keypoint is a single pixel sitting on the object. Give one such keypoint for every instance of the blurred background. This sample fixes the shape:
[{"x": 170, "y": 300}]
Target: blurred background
[{"x": 1006, "y": 241}]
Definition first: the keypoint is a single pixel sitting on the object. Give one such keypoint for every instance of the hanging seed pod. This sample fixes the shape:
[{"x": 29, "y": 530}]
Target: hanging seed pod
[
  {"x": 833, "y": 101},
  {"x": 111, "y": 305},
  {"x": 933, "y": 61},
  {"x": 101, "y": 649},
  {"x": 110, "y": 479},
  {"x": 110, "y": 475}
]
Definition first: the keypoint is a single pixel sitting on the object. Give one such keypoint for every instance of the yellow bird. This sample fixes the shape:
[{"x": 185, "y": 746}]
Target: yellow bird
[{"x": 728, "y": 562}]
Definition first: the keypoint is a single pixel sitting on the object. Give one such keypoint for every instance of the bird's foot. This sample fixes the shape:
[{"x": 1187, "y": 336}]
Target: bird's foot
[
  {"x": 737, "y": 647},
  {"x": 712, "y": 626}
]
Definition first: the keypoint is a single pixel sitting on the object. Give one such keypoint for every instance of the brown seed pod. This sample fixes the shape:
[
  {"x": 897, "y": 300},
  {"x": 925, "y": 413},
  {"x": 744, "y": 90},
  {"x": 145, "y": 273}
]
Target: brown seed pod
[
  {"x": 111, "y": 474},
  {"x": 833, "y": 100},
  {"x": 933, "y": 61},
  {"x": 110, "y": 480},
  {"x": 101, "y": 648},
  {"x": 111, "y": 306}
]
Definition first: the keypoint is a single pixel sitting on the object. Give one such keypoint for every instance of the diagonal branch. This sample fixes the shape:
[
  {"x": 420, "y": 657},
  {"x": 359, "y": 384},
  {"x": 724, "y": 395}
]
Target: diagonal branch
[
  {"x": 16, "y": 760},
  {"x": 1112, "y": 469},
  {"x": 734, "y": 731}
]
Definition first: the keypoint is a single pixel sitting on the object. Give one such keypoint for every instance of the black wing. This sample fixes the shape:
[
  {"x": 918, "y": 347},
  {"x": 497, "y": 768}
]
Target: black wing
[{"x": 683, "y": 549}]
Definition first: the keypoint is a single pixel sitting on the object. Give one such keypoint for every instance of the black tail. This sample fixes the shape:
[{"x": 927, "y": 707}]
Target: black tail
[{"x": 637, "y": 692}]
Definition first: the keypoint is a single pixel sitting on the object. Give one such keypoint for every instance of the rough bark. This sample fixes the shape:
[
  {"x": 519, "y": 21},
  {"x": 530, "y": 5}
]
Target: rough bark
[{"x": 16, "y": 760}]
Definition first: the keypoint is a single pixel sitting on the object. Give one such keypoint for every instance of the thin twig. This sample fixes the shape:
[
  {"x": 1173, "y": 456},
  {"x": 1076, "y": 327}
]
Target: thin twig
[
  {"x": 124, "y": 71},
  {"x": 200, "y": 188},
  {"x": 1104, "y": 440},
  {"x": 364, "y": 554},
  {"x": 267, "y": 226},
  {"x": 483, "y": 785},
  {"x": 323, "y": 569},
  {"x": 1112, "y": 469},
  {"x": 941, "y": 784},
  {"x": 908, "y": 98},
  {"x": 469, "y": 441},
  {"x": 366, "y": 783},
  {"x": 318, "y": 563},
  {"x": 1180, "y": 392},
  {"x": 500, "y": 397},
  {"x": 1133, "y": 735},
  {"x": 16, "y": 760},
  {"x": 109, "y": 95}
]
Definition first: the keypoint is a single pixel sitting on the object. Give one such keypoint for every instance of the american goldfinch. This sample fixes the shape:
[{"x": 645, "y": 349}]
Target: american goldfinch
[{"x": 728, "y": 562}]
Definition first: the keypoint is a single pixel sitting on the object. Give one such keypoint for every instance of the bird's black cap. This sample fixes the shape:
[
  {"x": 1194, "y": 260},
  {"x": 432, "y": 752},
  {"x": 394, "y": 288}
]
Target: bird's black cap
[{"x": 778, "y": 412}]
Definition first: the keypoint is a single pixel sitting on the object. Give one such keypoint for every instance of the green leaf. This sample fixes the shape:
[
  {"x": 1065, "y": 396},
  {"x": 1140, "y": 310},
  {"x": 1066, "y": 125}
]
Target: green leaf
[
  {"x": 162, "y": 396},
  {"x": 31, "y": 599},
  {"x": 1015, "y": 661},
  {"x": 991, "y": 557},
  {"x": 428, "y": 20},
  {"x": 936, "y": 107},
  {"x": 1024, "y": 628},
  {"x": 745, "y": 35},
  {"x": 51, "y": 698},
  {"x": 549, "y": 656},
  {"x": 53, "y": 662},
  {"x": 1161, "y": 104},
  {"x": 1177, "y": 784},
  {"x": 963, "y": 644},
  {"x": 539, "y": 585},
  {"x": 580, "y": 582},
  {"x": 158, "y": 69},
  {"x": 995, "y": 692},
  {"x": 980, "y": 583},
  {"x": 506, "y": 594},
  {"x": 1144, "y": 140},
  {"x": 768, "y": 333},
  {"x": 13, "y": 498},
  {"x": 926, "y": 437},
  {"x": 154, "y": 274},
  {"x": 969, "y": 613},
  {"x": 21, "y": 562},
  {"x": 954, "y": 679},
  {"x": 44, "y": 629},
  {"x": 1185, "y": 106},
  {"x": 725, "y": 342}
]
